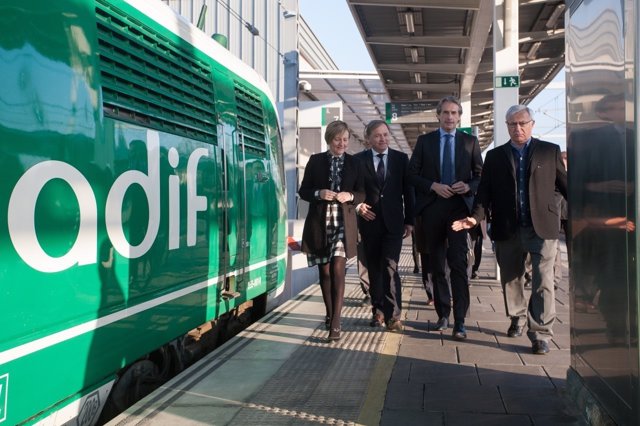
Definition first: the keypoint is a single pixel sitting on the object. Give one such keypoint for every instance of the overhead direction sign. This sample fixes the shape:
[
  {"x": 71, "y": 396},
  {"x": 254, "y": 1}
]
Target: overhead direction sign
[
  {"x": 508, "y": 81},
  {"x": 411, "y": 112}
]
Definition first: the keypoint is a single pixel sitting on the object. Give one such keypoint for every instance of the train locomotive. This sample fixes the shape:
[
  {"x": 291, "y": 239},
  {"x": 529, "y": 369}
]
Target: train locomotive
[{"x": 141, "y": 196}]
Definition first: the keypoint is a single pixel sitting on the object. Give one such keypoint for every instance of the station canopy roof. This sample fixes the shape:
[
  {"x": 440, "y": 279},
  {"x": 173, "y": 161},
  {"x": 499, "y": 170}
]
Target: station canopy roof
[{"x": 424, "y": 50}]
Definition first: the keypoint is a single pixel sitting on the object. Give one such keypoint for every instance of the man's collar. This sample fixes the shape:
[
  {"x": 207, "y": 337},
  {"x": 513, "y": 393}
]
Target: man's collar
[{"x": 520, "y": 148}]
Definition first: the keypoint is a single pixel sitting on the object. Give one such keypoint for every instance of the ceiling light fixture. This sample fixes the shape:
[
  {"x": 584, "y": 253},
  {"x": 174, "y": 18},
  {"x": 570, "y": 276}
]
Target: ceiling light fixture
[
  {"x": 414, "y": 54},
  {"x": 408, "y": 20},
  {"x": 533, "y": 50},
  {"x": 419, "y": 94},
  {"x": 417, "y": 77},
  {"x": 551, "y": 22}
]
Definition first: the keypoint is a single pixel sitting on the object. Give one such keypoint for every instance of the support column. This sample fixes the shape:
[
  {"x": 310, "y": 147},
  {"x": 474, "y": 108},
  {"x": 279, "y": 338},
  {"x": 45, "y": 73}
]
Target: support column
[
  {"x": 465, "y": 100},
  {"x": 289, "y": 107},
  {"x": 505, "y": 64}
]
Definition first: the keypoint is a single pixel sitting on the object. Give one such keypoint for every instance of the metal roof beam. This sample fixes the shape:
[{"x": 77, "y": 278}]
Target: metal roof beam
[
  {"x": 447, "y": 87},
  {"x": 456, "y": 42},
  {"x": 541, "y": 35},
  {"x": 540, "y": 62},
  {"x": 337, "y": 74},
  {"x": 532, "y": 2},
  {"x": 425, "y": 4},
  {"x": 431, "y": 67},
  {"x": 479, "y": 34},
  {"x": 344, "y": 92}
]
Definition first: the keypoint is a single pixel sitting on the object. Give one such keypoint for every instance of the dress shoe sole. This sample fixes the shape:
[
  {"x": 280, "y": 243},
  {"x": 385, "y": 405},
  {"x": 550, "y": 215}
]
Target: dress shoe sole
[{"x": 539, "y": 349}]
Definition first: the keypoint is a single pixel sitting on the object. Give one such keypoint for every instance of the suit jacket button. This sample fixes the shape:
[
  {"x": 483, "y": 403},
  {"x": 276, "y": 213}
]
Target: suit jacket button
[{"x": 381, "y": 195}]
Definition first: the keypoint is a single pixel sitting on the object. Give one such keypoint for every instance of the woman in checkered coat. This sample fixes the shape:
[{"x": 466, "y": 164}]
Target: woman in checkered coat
[{"x": 333, "y": 187}]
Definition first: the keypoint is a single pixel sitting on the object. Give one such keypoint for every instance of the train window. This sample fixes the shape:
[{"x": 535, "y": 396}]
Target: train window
[
  {"x": 151, "y": 80},
  {"x": 251, "y": 120}
]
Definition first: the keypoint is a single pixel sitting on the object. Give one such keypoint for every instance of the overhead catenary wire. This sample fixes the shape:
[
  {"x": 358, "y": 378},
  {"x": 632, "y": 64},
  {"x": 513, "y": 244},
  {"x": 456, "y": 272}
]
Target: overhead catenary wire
[{"x": 249, "y": 26}]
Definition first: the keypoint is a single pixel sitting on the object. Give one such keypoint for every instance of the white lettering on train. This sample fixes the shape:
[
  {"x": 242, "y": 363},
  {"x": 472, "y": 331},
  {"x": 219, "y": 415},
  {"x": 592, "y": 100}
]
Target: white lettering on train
[{"x": 22, "y": 205}]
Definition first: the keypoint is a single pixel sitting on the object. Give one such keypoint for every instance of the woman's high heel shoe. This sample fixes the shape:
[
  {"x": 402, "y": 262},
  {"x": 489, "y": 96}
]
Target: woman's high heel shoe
[{"x": 334, "y": 334}]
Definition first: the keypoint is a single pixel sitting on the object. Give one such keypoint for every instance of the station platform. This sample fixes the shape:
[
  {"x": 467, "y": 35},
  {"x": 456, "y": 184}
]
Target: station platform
[{"x": 282, "y": 370}]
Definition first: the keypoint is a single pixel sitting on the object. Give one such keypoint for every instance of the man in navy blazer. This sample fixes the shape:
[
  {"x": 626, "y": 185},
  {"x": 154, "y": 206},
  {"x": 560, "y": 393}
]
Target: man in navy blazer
[
  {"x": 445, "y": 168},
  {"x": 518, "y": 190},
  {"x": 384, "y": 219}
]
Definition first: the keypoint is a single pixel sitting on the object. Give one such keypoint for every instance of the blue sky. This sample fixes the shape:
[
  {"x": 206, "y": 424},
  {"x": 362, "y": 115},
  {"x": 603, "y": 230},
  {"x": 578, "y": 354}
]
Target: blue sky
[{"x": 333, "y": 24}]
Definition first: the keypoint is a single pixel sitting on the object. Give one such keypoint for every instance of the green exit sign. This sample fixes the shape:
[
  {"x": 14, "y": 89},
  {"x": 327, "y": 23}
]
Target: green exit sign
[
  {"x": 508, "y": 81},
  {"x": 467, "y": 130}
]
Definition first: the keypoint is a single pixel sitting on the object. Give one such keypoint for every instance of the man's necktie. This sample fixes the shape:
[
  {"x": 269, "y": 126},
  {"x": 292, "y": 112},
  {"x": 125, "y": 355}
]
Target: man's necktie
[
  {"x": 380, "y": 169},
  {"x": 447, "y": 165}
]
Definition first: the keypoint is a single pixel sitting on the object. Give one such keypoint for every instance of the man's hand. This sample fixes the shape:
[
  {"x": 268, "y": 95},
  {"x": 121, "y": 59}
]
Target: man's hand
[
  {"x": 620, "y": 223},
  {"x": 466, "y": 223},
  {"x": 444, "y": 191},
  {"x": 343, "y": 197},
  {"x": 460, "y": 188},
  {"x": 365, "y": 211},
  {"x": 408, "y": 229}
]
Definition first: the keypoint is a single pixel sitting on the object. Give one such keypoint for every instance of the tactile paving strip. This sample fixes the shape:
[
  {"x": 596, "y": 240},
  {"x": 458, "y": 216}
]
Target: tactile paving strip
[{"x": 322, "y": 382}]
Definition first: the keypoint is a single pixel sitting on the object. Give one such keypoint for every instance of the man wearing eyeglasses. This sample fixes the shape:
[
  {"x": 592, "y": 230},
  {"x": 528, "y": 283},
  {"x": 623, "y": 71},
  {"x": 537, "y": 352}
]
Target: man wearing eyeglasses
[{"x": 517, "y": 190}]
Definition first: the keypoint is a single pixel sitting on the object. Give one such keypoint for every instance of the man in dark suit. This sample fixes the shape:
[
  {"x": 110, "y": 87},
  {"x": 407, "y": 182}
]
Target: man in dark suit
[
  {"x": 445, "y": 168},
  {"x": 384, "y": 219},
  {"x": 518, "y": 186}
]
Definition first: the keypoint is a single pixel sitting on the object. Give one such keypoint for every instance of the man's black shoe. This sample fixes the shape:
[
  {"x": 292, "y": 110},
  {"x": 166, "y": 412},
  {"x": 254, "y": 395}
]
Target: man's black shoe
[
  {"x": 377, "y": 321},
  {"x": 515, "y": 330},
  {"x": 459, "y": 332},
  {"x": 442, "y": 324},
  {"x": 540, "y": 347}
]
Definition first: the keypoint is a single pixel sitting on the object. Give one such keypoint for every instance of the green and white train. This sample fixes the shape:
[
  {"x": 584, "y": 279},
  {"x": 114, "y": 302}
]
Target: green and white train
[{"x": 141, "y": 195}]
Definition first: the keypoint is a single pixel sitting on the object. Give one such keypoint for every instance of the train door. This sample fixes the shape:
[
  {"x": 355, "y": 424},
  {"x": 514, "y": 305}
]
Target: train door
[
  {"x": 257, "y": 195},
  {"x": 233, "y": 214}
]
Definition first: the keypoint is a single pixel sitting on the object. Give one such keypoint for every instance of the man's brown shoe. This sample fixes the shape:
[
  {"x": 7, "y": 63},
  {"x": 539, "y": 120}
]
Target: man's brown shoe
[{"x": 394, "y": 325}]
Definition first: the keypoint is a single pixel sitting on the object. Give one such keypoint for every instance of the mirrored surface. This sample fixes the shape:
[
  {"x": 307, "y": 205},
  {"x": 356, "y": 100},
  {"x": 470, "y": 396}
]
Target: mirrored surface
[{"x": 602, "y": 171}]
